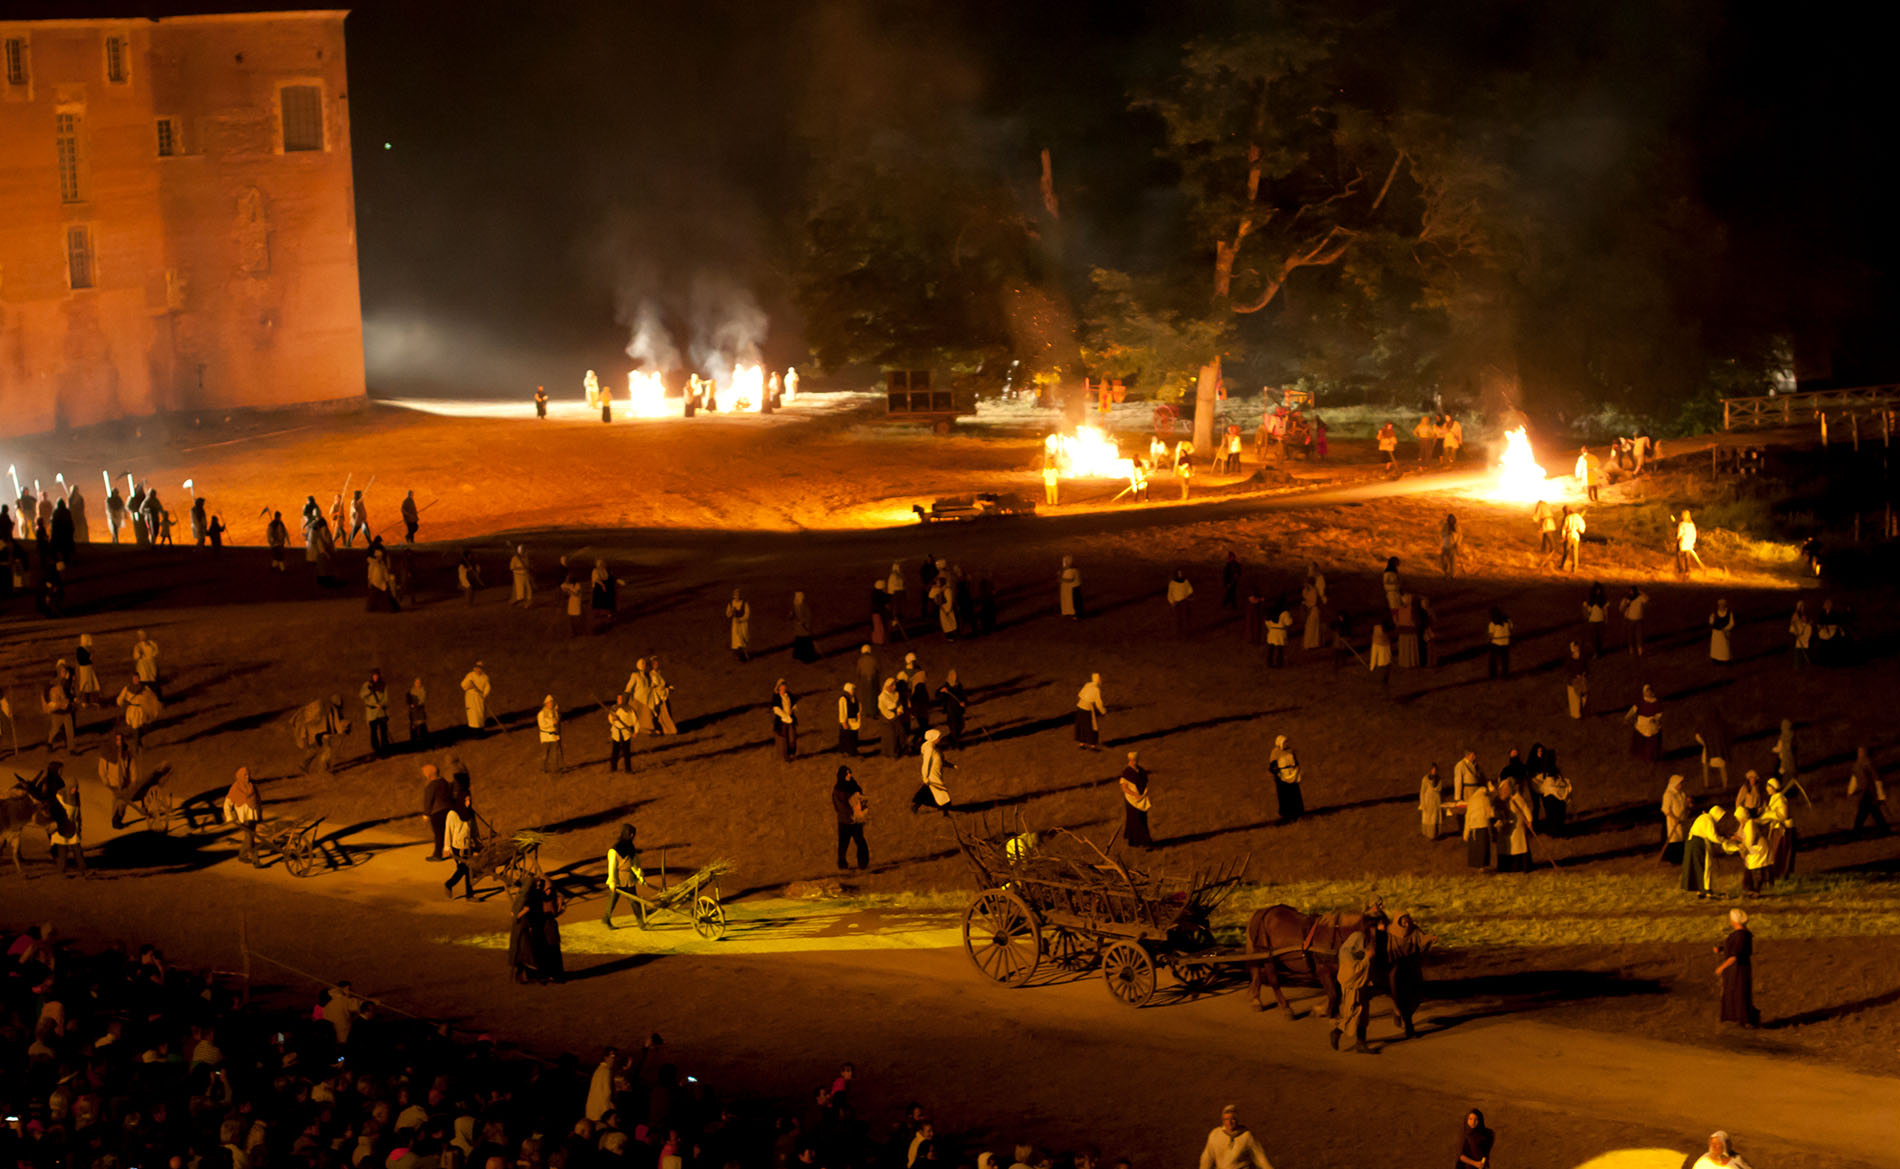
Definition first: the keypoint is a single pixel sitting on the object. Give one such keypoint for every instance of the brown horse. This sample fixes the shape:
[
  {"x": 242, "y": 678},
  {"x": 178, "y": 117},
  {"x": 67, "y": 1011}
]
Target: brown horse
[
  {"x": 31, "y": 805},
  {"x": 1283, "y": 932}
]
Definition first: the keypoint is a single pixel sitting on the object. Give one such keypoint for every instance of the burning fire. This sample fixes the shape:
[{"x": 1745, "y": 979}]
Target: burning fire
[
  {"x": 1087, "y": 454},
  {"x": 1520, "y": 479},
  {"x": 646, "y": 396},
  {"x": 744, "y": 391}
]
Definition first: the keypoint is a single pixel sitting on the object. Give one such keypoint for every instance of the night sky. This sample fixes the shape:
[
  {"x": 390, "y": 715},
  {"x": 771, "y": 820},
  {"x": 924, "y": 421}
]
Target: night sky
[{"x": 552, "y": 165}]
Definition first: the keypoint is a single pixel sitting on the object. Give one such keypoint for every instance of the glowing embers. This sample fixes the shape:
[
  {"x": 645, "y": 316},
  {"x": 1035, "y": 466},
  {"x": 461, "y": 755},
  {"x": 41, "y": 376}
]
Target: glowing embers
[{"x": 1087, "y": 454}]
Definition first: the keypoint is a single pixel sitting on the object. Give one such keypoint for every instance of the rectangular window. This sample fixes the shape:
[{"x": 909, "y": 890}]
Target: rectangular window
[
  {"x": 302, "y": 109},
  {"x": 16, "y": 60},
  {"x": 116, "y": 53},
  {"x": 79, "y": 256},
  {"x": 66, "y": 138},
  {"x": 168, "y": 138}
]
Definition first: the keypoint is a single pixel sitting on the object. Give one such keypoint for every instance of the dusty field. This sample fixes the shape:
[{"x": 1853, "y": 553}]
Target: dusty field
[{"x": 244, "y": 647}]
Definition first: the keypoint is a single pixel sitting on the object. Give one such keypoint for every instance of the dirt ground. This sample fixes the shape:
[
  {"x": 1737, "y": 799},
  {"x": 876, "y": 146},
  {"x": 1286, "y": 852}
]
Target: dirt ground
[{"x": 243, "y": 647}]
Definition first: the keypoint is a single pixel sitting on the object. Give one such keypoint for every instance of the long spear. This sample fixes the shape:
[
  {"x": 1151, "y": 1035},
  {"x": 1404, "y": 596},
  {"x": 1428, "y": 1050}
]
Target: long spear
[
  {"x": 107, "y": 476},
  {"x": 189, "y": 487}
]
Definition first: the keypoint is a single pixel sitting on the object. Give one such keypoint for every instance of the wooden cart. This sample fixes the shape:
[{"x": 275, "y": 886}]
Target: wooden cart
[
  {"x": 295, "y": 841},
  {"x": 694, "y": 899},
  {"x": 1054, "y": 899}
]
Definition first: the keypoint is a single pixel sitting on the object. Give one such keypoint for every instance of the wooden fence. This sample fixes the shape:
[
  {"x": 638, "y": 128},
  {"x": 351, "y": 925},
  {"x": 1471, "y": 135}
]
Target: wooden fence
[{"x": 1803, "y": 408}]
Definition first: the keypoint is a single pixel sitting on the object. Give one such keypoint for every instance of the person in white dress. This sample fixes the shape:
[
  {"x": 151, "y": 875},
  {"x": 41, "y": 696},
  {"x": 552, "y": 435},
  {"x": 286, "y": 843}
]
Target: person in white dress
[
  {"x": 475, "y": 691},
  {"x": 1069, "y": 586}
]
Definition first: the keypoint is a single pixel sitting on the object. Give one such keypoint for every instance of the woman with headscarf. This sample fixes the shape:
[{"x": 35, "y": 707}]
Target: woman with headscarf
[
  {"x": 1498, "y": 635},
  {"x": 1645, "y": 719},
  {"x": 850, "y": 718},
  {"x": 1596, "y": 616},
  {"x": 1135, "y": 804},
  {"x": 1576, "y": 681},
  {"x": 85, "y": 678},
  {"x": 1549, "y": 791},
  {"x": 1737, "y": 971},
  {"x": 1801, "y": 629},
  {"x": 1515, "y": 854},
  {"x": 1450, "y": 541},
  {"x": 739, "y": 616},
  {"x": 243, "y": 808},
  {"x": 1478, "y": 817},
  {"x": 1430, "y": 803},
  {"x": 1285, "y": 766},
  {"x": 1069, "y": 589},
  {"x": 1390, "y": 579},
  {"x": 931, "y": 795},
  {"x": 662, "y": 692},
  {"x": 1675, "y": 811},
  {"x": 890, "y": 716},
  {"x": 1089, "y": 710},
  {"x": 1750, "y": 797},
  {"x": 475, "y": 691},
  {"x": 894, "y": 588},
  {"x": 1698, "y": 856},
  {"x": 943, "y": 594},
  {"x": 1721, "y": 633},
  {"x": 1756, "y": 852},
  {"x": 1778, "y": 819},
  {"x": 803, "y": 648},
  {"x": 953, "y": 702},
  {"x": 785, "y": 721},
  {"x": 1474, "y": 1142},
  {"x": 1379, "y": 655}
]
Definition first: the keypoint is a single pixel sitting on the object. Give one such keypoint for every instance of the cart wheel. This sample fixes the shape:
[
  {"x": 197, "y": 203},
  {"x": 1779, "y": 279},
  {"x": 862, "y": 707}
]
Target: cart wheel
[
  {"x": 297, "y": 863},
  {"x": 1130, "y": 973},
  {"x": 709, "y": 918},
  {"x": 1194, "y": 977},
  {"x": 1001, "y": 936},
  {"x": 1070, "y": 951},
  {"x": 158, "y": 810}
]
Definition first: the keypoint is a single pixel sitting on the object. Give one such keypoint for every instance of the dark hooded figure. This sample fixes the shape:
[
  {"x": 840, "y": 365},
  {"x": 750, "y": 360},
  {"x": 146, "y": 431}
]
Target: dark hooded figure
[{"x": 62, "y": 533}]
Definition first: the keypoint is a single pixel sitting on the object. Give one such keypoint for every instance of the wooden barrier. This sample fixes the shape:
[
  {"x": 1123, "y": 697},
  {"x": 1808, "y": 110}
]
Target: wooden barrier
[{"x": 1802, "y": 408}]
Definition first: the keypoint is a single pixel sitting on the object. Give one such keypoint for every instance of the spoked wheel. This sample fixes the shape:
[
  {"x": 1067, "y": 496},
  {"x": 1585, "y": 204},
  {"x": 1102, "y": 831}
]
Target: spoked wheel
[
  {"x": 1001, "y": 936},
  {"x": 158, "y": 810},
  {"x": 1130, "y": 973},
  {"x": 1070, "y": 951},
  {"x": 1194, "y": 977},
  {"x": 297, "y": 864},
  {"x": 709, "y": 917}
]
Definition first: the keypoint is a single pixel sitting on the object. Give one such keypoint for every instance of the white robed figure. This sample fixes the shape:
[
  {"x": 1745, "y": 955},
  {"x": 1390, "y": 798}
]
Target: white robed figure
[{"x": 475, "y": 691}]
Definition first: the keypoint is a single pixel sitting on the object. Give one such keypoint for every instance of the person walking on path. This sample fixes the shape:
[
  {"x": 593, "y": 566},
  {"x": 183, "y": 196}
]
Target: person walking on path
[
  {"x": 243, "y": 808},
  {"x": 547, "y": 721},
  {"x": 1479, "y": 815},
  {"x": 1355, "y": 977},
  {"x": 1573, "y": 529},
  {"x": 1576, "y": 681},
  {"x": 623, "y": 723},
  {"x": 1737, "y": 972},
  {"x": 1675, "y": 812},
  {"x": 1089, "y": 712},
  {"x": 1596, "y": 615},
  {"x": 468, "y": 576},
  {"x": 804, "y": 649},
  {"x": 1545, "y": 517},
  {"x": 1279, "y": 621},
  {"x": 1801, "y": 633},
  {"x": 850, "y": 718},
  {"x": 1645, "y": 719},
  {"x": 1135, "y": 803},
  {"x": 1180, "y": 601},
  {"x": 1474, "y": 1142},
  {"x": 1431, "y": 803},
  {"x": 1869, "y": 794},
  {"x": 623, "y": 876},
  {"x": 458, "y": 833},
  {"x": 1633, "y": 606},
  {"x": 1686, "y": 536},
  {"x": 890, "y": 715},
  {"x": 475, "y": 691},
  {"x": 438, "y": 798},
  {"x": 416, "y": 698},
  {"x": 739, "y": 617},
  {"x": 851, "y": 809},
  {"x": 1231, "y": 1145},
  {"x": 1498, "y": 634},
  {"x": 145, "y": 663},
  {"x": 954, "y": 702},
  {"x": 411, "y": 518},
  {"x": 1284, "y": 764}
]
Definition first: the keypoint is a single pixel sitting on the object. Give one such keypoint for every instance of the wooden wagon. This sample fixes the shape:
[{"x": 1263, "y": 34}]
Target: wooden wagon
[
  {"x": 293, "y": 840},
  {"x": 1054, "y": 899},
  {"x": 694, "y": 899},
  {"x": 510, "y": 857}
]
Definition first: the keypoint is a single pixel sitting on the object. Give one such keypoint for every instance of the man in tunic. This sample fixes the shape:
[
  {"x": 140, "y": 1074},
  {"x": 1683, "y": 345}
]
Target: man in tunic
[
  {"x": 416, "y": 698},
  {"x": 375, "y": 696},
  {"x": 954, "y": 702},
  {"x": 850, "y": 718},
  {"x": 1135, "y": 803},
  {"x": 540, "y": 402},
  {"x": 523, "y": 575},
  {"x": 1869, "y": 794},
  {"x": 438, "y": 797},
  {"x": 411, "y": 518},
  {"x": 547, "y": 721},
  {"x": 1573, "y": 538},
  {"x": 1480, "y": 815},
  {"x": 739, "y": 615},
  {"x": 624, "y": 877},
  {"x": 1285, "y": 766},
  {"x": 1232, "y": 1146},
  {"x": 1180, "y": 598},
  {"x": 622, "y": 725},
  {"x": 1467, "y": 775},
  {"x": 851, "y": 810},
  {"x": 1685, "y": 543},
  {"x": 785, "y": 720},
  {"x": 867, "y": 670},
  {"x": 475, "y": 691},
  {"x": 1737, "y": 972}
]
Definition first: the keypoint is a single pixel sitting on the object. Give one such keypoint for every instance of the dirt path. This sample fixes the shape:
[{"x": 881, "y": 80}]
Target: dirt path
[{"x": 802, "y": 986}]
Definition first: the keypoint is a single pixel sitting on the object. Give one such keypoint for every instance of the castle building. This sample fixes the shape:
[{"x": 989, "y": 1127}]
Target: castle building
[{"x": 177, "y": 217}]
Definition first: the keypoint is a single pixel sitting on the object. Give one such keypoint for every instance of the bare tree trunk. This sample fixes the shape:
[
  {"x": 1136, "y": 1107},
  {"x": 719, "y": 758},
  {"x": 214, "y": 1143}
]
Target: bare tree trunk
[{"x": 1206, "y": 405}]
